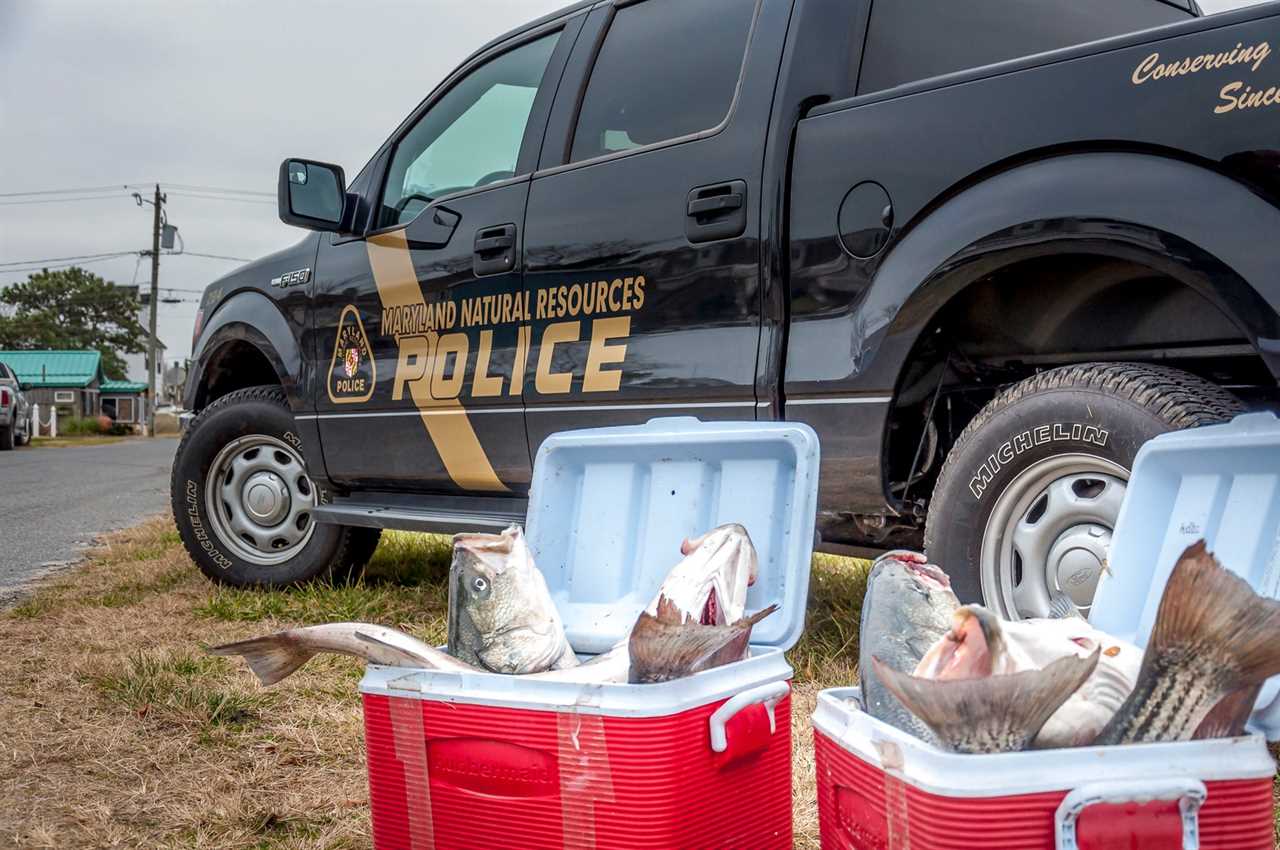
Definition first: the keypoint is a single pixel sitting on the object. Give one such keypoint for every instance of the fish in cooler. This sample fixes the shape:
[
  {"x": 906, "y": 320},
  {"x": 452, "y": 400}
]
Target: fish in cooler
[
  {"x": 989, "y": 685},
  {"x": 502, "y": 620}
]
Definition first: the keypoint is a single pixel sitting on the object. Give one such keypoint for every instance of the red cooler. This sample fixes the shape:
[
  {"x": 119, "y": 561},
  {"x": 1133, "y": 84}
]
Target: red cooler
[
  {"x": 879, "y": 787},
  {"x": 476, "y": 760}
]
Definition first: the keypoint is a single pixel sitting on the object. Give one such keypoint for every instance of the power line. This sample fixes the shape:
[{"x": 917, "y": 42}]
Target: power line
[
  {"x": 218, "y": 189},
  {"x": 91, "y": 299},
  {"x": 52, "y": 268},
  {"x": 83, "y": 190},
  {"x": 103, "y": 255},
  {"x": 211, "y": 256},
  {"x": 79, "y": 191},
  {"x": 61, "y": 200},
  {"x": 111, "y": 255},
  {"x": 181, "y": 194}
]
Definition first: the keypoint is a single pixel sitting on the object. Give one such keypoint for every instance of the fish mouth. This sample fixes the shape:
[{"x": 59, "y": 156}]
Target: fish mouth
[
  {"x": 711, "y": 614},
  {"x": 968, "y": 651},
  {"x": 928, "y": 575}
]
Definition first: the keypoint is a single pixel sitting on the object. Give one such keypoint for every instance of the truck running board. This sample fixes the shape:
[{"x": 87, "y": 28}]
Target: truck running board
[{"x": 443, "y": 514}]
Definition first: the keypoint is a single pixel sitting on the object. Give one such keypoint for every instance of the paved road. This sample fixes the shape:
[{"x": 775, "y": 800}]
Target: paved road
[{"x": 55, "y": 500}]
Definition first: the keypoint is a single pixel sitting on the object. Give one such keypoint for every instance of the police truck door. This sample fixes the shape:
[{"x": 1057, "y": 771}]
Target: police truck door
[
  {"x": 417, "y": 323},
  {"x": 642, "y": 243}
]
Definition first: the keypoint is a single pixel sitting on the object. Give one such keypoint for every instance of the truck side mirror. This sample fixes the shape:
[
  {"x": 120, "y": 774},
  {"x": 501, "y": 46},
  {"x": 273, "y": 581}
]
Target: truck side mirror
[
  {"x": 25, "y": 386},
  {"x": 313, "y": 195}
]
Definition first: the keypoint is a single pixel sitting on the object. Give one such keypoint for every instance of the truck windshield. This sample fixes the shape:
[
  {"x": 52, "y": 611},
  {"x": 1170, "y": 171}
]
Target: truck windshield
[{"x": 469, "y": 137}]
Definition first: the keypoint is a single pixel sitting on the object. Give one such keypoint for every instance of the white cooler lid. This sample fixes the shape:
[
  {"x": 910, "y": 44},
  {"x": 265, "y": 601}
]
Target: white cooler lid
[
  {"x": 1220, "y": 483},
  {"x": 609, "y": 508}
]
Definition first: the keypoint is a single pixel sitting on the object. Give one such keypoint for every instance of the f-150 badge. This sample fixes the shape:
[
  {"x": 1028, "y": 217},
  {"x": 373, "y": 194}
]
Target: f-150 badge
[
  {"x": 352, "y": 371},
  {"x": 295, "y": 278}
]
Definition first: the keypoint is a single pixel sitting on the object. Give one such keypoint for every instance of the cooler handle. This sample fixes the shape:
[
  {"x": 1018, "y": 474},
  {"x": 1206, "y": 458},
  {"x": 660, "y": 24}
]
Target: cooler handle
[
  {"x": 767, "y": 695},
  {"x": 1190, "y": 794}
]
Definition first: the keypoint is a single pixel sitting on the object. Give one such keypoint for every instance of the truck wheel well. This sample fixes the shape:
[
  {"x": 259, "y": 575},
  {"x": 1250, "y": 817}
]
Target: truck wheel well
[
  {"x": 1041, "y": 313},
  {"x": 235, "y": 366}
]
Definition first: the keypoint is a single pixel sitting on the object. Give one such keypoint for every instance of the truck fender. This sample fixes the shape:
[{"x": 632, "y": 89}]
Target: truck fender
[
  {"x": 248, "y": 317},
  {"x": 1200, "y": 226}
]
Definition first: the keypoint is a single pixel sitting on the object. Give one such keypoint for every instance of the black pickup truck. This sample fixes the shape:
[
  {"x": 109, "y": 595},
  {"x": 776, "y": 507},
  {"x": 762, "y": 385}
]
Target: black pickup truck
[{"x": 985, "y": 248}]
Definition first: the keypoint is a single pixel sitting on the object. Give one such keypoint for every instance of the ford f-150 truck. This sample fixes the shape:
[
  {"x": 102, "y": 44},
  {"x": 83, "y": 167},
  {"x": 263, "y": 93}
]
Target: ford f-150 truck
[{"x": 985, "y": 248}]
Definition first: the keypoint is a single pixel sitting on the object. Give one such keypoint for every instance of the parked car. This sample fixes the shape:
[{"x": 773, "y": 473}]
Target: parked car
[
  {"x": 986, "y": 249},
  {"x": 15, "y": 410}
]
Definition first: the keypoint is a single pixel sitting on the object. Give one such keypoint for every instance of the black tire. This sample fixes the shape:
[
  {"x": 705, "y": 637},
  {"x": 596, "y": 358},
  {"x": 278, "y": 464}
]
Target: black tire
[
  {"x": 331, "y": 551},
  {"x": 1104, "y": 410},
  {"x": 7, "y": 438},
  {"x": 364, "y": 542}
]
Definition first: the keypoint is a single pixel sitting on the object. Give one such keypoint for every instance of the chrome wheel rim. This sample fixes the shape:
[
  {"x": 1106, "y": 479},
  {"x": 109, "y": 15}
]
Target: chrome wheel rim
[
  {"x": 1049, "y": 534},
  {"x": 260, "y": 500}
]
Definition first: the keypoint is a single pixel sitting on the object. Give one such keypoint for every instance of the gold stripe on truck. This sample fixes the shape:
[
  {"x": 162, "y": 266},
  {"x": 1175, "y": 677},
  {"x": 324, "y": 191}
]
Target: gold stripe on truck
[{"x": 453, "y": 435}]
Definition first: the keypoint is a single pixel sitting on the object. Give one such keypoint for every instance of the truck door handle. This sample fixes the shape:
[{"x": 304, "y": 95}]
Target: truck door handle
[
  {"x": 717, "y": 212},
  {"x": 716, "y": 203},
  {"x": 495, "y": 250}
]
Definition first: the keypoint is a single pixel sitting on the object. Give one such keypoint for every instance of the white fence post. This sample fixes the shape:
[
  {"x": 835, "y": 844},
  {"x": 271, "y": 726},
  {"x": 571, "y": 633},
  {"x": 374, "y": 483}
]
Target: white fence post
[
  {"x": 33, "y": 424},
  {"x": 53, "y": 421}
]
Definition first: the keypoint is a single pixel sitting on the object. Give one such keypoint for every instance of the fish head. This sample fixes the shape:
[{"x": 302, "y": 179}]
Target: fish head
[
  {"x": 710, "y": 583},
  {"x": 973, "y": 648},
  {"x": 908, "y": 581},
  {"x": 500, "y": 592}
]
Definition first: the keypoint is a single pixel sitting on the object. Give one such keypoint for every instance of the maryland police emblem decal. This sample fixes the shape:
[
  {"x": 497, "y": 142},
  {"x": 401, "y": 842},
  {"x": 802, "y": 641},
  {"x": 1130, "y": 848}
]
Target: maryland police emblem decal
[{"x": 352, "y": 372}]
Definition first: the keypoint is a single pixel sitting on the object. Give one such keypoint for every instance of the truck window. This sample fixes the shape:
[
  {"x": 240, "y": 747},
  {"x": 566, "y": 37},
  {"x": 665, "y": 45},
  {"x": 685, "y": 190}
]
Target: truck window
[
  {"x": 667, "y": 68},
  {"x": 910, "y": 40},
  {"x": 470, "y": 137}
]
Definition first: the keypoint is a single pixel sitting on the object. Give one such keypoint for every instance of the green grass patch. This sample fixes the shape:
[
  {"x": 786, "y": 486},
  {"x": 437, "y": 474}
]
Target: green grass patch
[
  {"x": 409, "y": 560},
  {"x": 35, "y": 607},
  {"x": 183, "y": 688},
  {"x": 828, "y": 652},
  {"x": 404, "y": 584},
  {"x": 133, "y": 592}
]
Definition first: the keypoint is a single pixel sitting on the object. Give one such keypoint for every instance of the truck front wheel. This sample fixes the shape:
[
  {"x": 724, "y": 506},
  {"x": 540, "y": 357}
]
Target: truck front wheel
[
  {"x": 243, "y": 500},
  {"x": 1024, "y": 507}
]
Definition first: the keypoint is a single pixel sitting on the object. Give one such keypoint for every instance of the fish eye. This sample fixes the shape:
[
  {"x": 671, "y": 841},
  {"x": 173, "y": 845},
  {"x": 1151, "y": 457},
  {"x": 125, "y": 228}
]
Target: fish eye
[{"x": 479, "y": 585}]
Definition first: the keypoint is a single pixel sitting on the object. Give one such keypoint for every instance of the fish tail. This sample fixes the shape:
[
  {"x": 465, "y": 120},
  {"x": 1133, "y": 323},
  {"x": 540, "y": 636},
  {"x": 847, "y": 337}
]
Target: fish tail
[
  {"x": 992, "y": 713},
  {"x": 662, "y": 649},
  {"x": 1229, "y": 716},
  {"x": 1212, "y": 636},
  {"x": 1061, "y": 607},
  {"x": 271, "y": 658},
  {"x": 1213, "y": 612}
]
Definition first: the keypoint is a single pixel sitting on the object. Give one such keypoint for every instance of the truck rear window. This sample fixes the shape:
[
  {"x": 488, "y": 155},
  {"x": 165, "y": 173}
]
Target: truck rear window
[
  {"x": 667, "y": 68},
  {"x": 910, "y": 40}
]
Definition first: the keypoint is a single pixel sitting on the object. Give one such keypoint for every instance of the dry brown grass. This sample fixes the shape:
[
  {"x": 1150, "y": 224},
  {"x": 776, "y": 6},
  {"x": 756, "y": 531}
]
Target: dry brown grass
[{"x": 120, "y": 732}]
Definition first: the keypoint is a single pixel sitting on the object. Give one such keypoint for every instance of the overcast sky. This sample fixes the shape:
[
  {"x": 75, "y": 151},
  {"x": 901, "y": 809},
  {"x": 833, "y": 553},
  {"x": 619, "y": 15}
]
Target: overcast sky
[
  {"x": 210, "y": 94},
  {"x": 214, "y": 94}
]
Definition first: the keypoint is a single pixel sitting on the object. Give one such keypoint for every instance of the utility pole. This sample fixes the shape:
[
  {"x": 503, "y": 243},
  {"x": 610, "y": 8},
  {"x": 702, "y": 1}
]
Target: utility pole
[{"x": 155, "y": 293}]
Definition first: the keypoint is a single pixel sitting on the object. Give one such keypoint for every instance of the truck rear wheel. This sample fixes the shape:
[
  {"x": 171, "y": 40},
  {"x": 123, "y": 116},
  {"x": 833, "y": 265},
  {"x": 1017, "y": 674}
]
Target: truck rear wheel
[
  {"x": 7, "y": 438},
  {"x": 243, "y": 500},
  {"x": 1024, "y": 506}
]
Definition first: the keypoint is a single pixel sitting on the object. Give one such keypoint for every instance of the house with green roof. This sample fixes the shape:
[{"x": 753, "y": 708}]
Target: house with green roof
[{"x": 73, "y": 383}]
